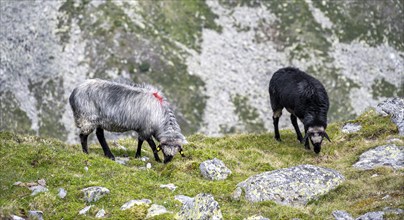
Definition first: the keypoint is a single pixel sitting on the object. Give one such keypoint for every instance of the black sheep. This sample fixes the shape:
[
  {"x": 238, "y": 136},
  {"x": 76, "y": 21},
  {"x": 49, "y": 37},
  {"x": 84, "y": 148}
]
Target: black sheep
[{"x": 305, "y": 98}]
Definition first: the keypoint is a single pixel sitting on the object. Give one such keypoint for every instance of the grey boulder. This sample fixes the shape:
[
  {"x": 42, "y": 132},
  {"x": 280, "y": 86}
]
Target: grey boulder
[
  {"x": 290, "y": 186},
  {"x": 132, "y": 203},
  {"x": 155, "y": 210},
  {"x": 214, "y": 169},
  {"x": 386, "y": 155}
]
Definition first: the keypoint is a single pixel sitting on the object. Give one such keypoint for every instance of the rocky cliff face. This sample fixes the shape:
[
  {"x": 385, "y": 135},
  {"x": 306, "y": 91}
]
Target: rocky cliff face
[{"x": 213, "y": 59}]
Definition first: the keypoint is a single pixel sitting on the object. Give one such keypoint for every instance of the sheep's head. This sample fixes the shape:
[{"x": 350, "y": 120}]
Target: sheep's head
[
  {"x": 170, "y": 149},
  {"x": 316, "y": 135}
]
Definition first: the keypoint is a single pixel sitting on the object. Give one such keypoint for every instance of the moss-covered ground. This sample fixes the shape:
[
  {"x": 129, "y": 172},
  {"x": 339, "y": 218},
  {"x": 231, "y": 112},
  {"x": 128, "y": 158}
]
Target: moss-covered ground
[{"x": 29, "y": 158}]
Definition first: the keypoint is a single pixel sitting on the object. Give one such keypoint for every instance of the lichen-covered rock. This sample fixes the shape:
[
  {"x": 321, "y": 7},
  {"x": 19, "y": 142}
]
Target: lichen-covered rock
[
  {"x": 395, "y": 108},
  {"x": 94, "y": 193},
  {"x": 256, "y": 217},
  {"x": 35, "y": 214},
  {"x": 131, "y": 203},
  {"x": 351, "y": 127},
  {"x": 291, "y": 186},
  {"x": 156, "y": 210},
  {"x": 386, "y": 155},
  {"x": 371, "y": 216},
  {"x": 203, "y": 207},
  {"x": 214, "y": 169},
  {"x": 342, "y": 215}
]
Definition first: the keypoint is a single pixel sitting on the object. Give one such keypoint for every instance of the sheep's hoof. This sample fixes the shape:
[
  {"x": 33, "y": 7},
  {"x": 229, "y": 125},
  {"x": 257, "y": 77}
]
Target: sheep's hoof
[
  {"x": 278, "y": 139},
  {"x": 137, "y": 156}
]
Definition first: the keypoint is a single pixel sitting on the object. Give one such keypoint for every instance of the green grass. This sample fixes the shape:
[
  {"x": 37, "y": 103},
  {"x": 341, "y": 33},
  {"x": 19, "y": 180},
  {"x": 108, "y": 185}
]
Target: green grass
[{"x": 29, "y": 158}]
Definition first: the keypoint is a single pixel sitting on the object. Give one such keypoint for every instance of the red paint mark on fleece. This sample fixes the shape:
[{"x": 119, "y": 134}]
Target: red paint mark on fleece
[{"x": 158, "y": 97}]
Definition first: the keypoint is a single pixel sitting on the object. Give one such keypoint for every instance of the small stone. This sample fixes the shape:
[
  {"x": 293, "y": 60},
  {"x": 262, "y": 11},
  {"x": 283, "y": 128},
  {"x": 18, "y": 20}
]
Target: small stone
[
  {"x": 375, "y": 175},
  {"x": 85, "y": 210},
  {"x": 169, "y": 186},
  {"x": 389, "y": 210},
  {"x": 256, "y": 217},
  {"x": 131, "y": 203},
  {"x": 395, "y": 108},
  {"x": 155, "y": 210},
  {"x": 17, "y": 183},
  {"x": 100, "y": 213},
  {"x": 341, "y": 215},
  {"x": 35, "y": 214},
  {"x": 37, "y": 189},
  {"x": 144, "y": 158},
  {"x": 86, "y": 168},
  {"x": 122, "y": 160},
  {"x": 148, "y": 165},
  {"x": 14, "y": 217},
  {"x": 94, "y": 193},
  {"x": 42, "y": 182},
  {"x": 62, "y": 193},
  {"x": 351, "y": 128},
  {"x": 386, "y": 197}
]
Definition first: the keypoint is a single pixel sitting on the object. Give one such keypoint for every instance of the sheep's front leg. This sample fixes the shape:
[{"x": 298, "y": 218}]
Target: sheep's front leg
[
  {"x": 107, "y": 152},
  {"x": 154, "y": 149},
  {"x": 306, "y": 140},
  {"x": 83, "y": 140},
  {"x": 275, "y": 117},
  {"x": 139, "y": 147},
  {"x": 296, "y": 126}
]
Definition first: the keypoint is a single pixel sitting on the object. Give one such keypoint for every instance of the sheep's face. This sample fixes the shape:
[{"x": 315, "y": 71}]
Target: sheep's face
[
  {"x": 170, "y": 150},
  {"x": 316, "y": 135}
]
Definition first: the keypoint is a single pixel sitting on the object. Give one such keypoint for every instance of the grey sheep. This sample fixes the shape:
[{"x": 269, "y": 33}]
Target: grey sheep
[
  {"x": 305, "y": 98},
  {"x": 118, "y": 107}
]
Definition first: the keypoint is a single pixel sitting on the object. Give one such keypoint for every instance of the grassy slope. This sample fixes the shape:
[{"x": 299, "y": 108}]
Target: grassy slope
[{"x": 29, "y": 158}]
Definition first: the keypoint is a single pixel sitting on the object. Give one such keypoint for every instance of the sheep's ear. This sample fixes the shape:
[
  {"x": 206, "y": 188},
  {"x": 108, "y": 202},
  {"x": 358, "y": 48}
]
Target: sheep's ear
[
  {"x": 185, "y": 142},
  {"x": 326, "y": 136}
]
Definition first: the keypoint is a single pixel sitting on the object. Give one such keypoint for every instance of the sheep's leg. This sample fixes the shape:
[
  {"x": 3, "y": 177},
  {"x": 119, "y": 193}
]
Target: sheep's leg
[
  {"x": 154, "y": 149},
  {"x": 139, "y": 147},
  {"x": 275, "y": 117},
  {"x": 296, "y": 126},
  {"x": 100, "y": 135},
  {"x": 306, "y": 140},
  {"x": 83, "y": 140}
]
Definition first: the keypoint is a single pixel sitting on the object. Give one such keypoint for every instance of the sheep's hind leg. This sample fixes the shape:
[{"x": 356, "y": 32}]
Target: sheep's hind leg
[
  {"x": 275, "y": 117},
  {"x": 154, "y": 149},
  {"x": 83, "y": 140},
  {"x": 139, "y": 147},
  {"x": 104, "y": 145},
  {"x": 296, "y": 126}
]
